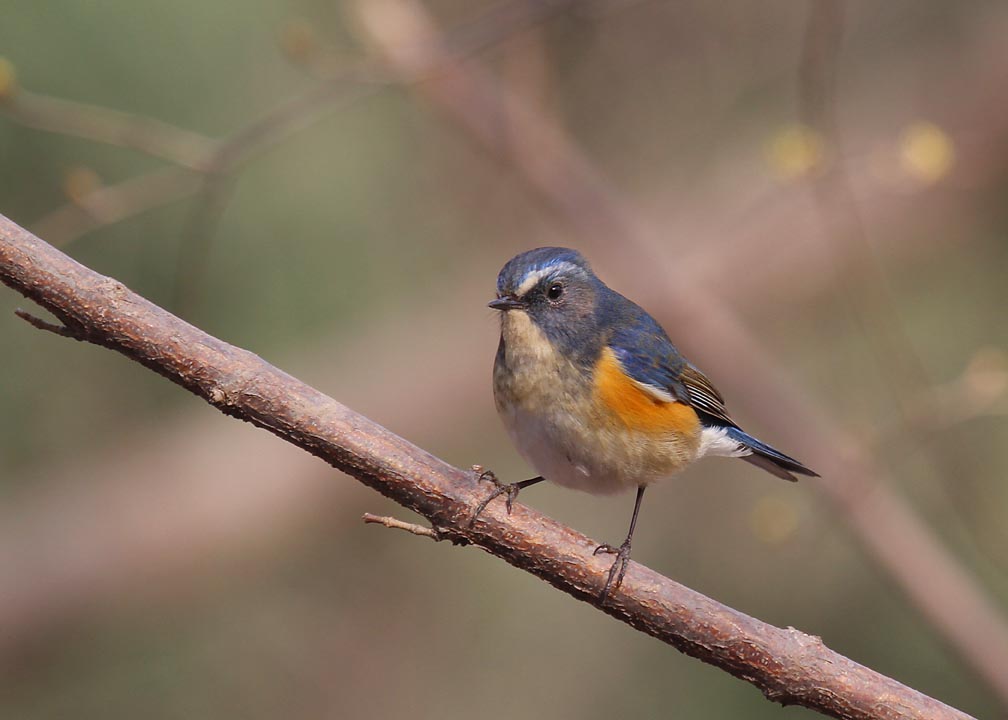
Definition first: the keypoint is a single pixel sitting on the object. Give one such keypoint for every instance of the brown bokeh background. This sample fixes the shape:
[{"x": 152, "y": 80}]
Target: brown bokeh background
[{"x": 335, "y": 185}]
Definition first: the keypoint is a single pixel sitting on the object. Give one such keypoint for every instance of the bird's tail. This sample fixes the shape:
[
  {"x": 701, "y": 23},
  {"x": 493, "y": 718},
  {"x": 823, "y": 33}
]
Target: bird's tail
[{"x": 763, "y": 456}]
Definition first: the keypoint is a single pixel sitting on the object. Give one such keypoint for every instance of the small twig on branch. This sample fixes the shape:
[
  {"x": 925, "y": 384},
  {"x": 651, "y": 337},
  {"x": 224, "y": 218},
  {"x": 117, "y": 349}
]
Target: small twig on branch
[
  {"x": 391, "y": 522},
  {"x": 790, "y": 667},
  {"x": 41, "y": 324}
]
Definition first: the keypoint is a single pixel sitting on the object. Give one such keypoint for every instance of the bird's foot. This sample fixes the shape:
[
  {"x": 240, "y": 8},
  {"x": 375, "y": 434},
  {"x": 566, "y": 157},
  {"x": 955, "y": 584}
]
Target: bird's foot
[
  {"x": 618, "y": 569},
  {"x": 511, "y": 490}
]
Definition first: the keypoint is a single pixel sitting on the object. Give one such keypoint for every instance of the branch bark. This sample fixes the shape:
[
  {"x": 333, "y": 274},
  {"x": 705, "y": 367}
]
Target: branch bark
[{"x": 789, "y": 666}]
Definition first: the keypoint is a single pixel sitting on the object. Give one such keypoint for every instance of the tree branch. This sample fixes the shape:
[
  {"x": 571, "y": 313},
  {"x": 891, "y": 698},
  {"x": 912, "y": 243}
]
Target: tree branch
[{"x": 789, "y": 666}]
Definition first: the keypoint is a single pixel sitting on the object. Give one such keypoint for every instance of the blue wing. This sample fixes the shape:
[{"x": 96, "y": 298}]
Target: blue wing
[{"x": 649, "y": 357}]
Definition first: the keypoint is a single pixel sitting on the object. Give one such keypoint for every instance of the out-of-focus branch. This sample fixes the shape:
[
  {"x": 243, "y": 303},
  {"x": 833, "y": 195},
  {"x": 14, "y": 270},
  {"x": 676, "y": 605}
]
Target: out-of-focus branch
[
  {"x": 560, "y": 176},
  {"x": 104, "y": 125},
  {"x": 133, "y": 196},
  {"x": 865, "y": 290},
  {"x": 217, "y": 158},
  {"x": 979, "y": 392},
  {"x": 787, "y": 665},
  {"x": 114, "y": 203}
]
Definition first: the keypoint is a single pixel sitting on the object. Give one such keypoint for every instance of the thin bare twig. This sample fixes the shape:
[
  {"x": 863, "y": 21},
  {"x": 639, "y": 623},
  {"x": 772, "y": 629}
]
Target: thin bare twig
[
  {"x": 391, "y": 522},
  {"x": 790, "y": 667},
  {"x": 41, "y": 324}
]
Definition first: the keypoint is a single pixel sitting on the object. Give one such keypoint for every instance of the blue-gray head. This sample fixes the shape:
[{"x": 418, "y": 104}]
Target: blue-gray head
[
  {"x": 543, "y": 279},
  {"x": 557, "y": 289}
]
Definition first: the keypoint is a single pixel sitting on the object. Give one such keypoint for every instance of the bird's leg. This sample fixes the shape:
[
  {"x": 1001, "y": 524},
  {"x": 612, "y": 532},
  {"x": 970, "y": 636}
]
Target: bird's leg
[
  {"x": 622, "y": 553},
  {"x": 510, "y": 489}
]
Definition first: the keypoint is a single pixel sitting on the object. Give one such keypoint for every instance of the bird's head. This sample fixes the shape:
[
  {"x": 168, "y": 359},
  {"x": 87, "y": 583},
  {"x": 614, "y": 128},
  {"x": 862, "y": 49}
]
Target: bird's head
[{"x": 556, "y": 290}]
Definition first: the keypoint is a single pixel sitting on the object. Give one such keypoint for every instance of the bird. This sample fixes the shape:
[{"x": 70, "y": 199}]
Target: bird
[{"x": 595, "y": 396}]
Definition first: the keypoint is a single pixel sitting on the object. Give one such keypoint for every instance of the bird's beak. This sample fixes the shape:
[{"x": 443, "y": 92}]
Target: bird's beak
[{"x": 506, "y": 303}]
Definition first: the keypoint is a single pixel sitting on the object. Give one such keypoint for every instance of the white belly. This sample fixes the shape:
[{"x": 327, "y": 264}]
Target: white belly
[{"x": 559, "y": 455}]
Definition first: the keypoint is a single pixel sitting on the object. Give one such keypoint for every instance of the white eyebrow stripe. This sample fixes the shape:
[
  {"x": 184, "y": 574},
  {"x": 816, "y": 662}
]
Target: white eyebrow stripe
[{"x": 535, "y": 276}]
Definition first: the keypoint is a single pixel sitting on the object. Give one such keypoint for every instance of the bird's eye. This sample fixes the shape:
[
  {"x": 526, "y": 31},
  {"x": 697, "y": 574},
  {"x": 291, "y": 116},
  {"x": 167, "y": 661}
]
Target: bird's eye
[{"x": 555, "y": 291}]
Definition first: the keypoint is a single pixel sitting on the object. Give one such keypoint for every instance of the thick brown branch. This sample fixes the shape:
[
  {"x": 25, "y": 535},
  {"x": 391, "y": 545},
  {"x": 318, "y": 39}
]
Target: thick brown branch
[{"x": 790, "y": 667}]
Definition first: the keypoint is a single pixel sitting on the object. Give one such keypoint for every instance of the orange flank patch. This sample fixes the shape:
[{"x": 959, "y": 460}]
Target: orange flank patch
[{"x": 638, "y": 409}]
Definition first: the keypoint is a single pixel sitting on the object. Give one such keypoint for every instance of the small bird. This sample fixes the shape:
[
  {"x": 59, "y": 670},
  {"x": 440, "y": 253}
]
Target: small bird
[{"x": 596, "y": 397}]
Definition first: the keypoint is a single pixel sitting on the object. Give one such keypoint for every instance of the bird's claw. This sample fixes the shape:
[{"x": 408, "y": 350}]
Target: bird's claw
[
  {"x": 618, "y": 569},
  {"x": 510, "y": 489},
  {"x": 483, "y": 474}
]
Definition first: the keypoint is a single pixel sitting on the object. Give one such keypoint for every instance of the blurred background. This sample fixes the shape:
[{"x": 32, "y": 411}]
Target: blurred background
[{"x": 809, "y": 196}]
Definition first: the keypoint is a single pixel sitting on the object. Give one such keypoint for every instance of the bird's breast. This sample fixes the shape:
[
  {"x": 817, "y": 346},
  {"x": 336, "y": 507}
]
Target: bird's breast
[
  {"x": 531, "y": 373},
  {"x": 588, "y": 428}
]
